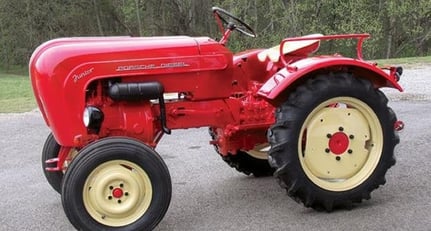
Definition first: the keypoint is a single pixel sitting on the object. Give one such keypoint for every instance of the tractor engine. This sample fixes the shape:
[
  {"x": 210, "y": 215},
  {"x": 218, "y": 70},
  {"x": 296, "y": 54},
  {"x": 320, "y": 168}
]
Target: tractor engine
[{"x": 124, "y": 109}]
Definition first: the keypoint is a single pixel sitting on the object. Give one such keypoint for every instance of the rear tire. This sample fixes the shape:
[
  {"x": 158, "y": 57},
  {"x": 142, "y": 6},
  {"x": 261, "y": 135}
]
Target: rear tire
[
  {"x": 245, "y": 163},
  {"x": 116, "y": 184},
  {"x": 253, "y": 162},
  {"x": 333, "y": 141}
]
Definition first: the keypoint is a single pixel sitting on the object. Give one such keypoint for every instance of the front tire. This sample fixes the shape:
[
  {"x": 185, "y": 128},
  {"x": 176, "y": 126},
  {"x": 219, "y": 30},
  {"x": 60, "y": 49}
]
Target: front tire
[
  {"x": 333, "y": 141},
  {"x": 116, "y": 184},
  {"x": 50, "y": 150}
]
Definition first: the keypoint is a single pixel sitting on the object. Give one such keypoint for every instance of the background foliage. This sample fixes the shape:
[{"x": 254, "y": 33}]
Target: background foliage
[{"x": 399, "y": 28}]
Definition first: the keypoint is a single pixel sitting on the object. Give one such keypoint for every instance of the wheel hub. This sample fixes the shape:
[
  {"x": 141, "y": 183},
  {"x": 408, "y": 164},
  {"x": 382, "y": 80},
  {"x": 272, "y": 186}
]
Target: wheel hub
[
  {"x": 117, "y": 192},
  {"x": 338, "y": 143}
]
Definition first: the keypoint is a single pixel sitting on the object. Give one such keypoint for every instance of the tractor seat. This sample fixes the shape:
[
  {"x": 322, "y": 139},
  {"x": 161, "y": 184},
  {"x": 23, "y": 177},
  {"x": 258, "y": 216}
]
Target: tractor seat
[{"x": 292, "y": 47}]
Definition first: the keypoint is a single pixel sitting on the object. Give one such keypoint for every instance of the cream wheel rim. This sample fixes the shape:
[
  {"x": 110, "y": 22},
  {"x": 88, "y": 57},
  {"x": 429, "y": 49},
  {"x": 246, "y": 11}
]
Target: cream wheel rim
[
  {"x": 117, "y": 193},
  {"x": 260, "y": 151},
  {"x": 340, "y": 145}
]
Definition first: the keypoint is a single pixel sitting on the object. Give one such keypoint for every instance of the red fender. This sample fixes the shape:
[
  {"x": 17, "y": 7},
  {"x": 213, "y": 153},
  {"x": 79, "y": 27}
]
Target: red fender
[{"x": 286, "y": 77}]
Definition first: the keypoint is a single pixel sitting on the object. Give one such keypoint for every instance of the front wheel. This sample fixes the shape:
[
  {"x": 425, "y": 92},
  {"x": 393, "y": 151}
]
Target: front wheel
[
  {"x": 116, "y": 184},
  {"x": 333, "y": 141}
]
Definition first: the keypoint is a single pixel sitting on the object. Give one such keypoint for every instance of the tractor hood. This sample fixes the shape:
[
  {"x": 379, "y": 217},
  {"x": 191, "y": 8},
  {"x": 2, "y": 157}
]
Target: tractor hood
[
  {"x": 121, "y": 54},
  {"x": 61, "y": 69}
]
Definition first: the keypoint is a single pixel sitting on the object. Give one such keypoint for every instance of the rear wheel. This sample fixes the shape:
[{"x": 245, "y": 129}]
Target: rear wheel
[
  {"x": 253, "y": 161},
  {"x": 116, "y": 184},
  {"x": 333, "y": 141}
]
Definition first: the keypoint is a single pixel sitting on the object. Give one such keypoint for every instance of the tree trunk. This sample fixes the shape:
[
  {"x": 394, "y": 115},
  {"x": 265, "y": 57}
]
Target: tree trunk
[
  {"x": 138, "y": 17},
  {"x": 99, "y": 24},
  {"x": 391, "y": 33}
]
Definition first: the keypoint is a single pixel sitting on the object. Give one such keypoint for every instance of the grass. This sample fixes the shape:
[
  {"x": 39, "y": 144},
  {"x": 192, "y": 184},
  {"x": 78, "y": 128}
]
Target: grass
[
  {"x": 16, "y": 94},
  {"x": 406, "y": 62}
]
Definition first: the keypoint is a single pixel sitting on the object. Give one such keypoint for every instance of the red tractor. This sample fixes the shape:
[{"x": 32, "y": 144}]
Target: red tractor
[{"x": 319, "y": 123}]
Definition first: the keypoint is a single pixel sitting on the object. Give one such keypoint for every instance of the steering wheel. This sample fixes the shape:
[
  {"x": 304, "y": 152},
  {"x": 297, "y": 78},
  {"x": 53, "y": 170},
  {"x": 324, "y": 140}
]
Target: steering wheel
[{"x": 233, "y": 23}]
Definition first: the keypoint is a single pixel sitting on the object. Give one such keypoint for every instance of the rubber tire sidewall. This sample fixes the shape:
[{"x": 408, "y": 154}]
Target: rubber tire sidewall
[{"x": 114, "y": 149}]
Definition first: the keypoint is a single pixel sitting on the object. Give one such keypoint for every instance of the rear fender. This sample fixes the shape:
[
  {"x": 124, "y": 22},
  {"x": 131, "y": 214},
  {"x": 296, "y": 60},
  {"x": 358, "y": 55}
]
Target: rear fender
[{"x": 277, "y": 87}]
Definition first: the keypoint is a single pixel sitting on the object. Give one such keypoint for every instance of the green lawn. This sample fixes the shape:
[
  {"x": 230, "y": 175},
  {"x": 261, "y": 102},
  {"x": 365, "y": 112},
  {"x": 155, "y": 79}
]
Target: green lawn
[
  {"x": 16, "y": 94},
  {"x": 406, "y": 62}
]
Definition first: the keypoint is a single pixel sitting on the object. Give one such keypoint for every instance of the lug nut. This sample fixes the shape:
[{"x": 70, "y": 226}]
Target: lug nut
[
  {"x": 111, "y": 187},
  {"x": 351, "y": 137},
  {"x": 121, "y": 185},
  {"x": 126, "y": 194},
  {"x": 350, "y": 151},
  {"x": 110, "y": 198},
  {"x": 338, "y": 158},
  {"x": 328, "y": 135},
  {"x": 340, "y": 129},
  {"x": 327, "y": 150}
]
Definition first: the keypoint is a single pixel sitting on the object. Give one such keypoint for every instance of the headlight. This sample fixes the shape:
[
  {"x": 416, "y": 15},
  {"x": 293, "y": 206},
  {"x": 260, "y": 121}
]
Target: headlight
[
  {"x": 86, "y": 117},
  {"x": 92, "y": 118}
]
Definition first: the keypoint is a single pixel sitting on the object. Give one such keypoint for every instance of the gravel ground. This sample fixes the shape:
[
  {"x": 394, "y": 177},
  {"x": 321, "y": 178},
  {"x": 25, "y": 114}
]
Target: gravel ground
[
  {"x": 209, "y": 195},
  {"x": 416, "y": 83}
]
